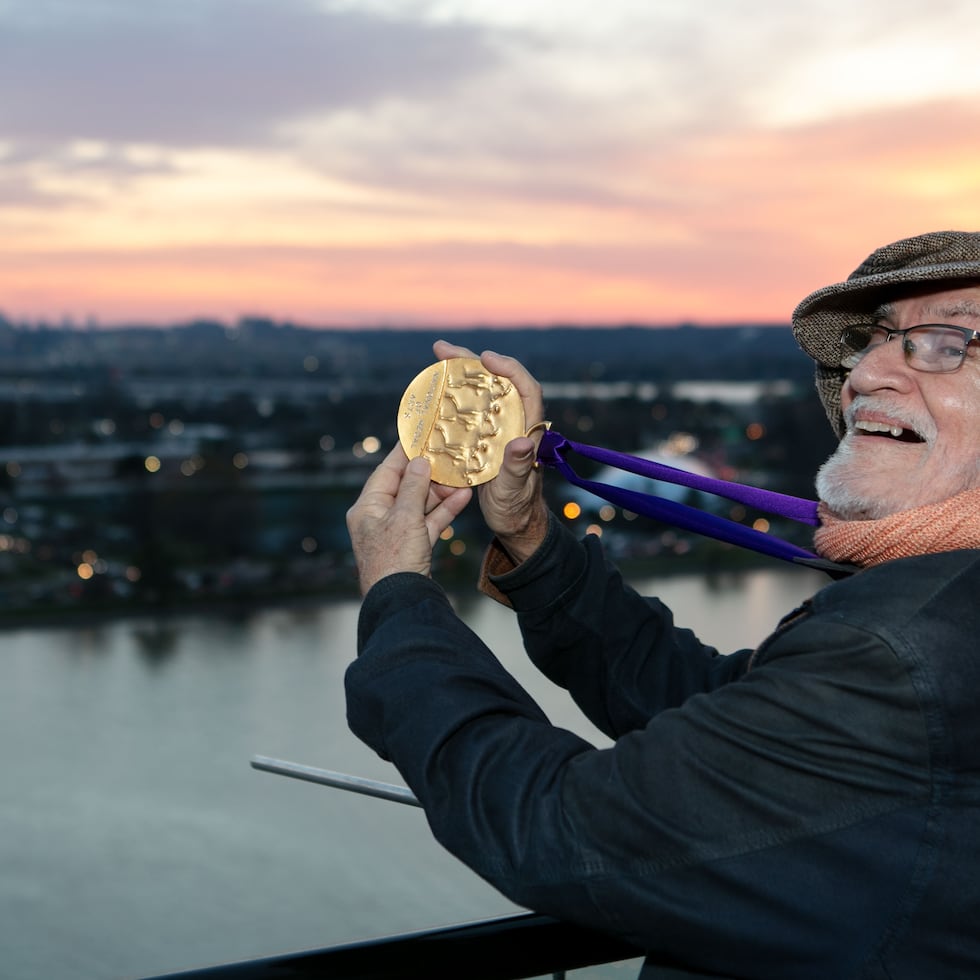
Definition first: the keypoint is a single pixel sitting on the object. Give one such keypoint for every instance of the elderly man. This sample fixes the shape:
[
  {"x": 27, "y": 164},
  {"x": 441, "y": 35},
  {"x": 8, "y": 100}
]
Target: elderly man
[{"x": 807, "y": 809}]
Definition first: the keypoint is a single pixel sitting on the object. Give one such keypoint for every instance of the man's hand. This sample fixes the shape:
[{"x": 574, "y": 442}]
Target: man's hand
[
  {"x": 398, "y": 518},
  {"x": 512, "y": 502}
]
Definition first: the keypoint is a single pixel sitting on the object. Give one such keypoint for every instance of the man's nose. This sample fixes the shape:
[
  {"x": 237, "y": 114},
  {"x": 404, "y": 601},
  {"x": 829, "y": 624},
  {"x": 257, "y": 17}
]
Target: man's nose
[{"x": 882, "y": 366}]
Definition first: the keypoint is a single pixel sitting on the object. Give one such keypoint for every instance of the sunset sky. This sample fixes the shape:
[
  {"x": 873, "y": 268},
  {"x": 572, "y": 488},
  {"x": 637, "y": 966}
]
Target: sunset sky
[{"x": 392, "y": 162}]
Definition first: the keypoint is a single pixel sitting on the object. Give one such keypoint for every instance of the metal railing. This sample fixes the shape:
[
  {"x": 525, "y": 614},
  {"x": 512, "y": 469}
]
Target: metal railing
[
  {"x": 506, "y": 948},
  {"x": 512, "y": 947}
]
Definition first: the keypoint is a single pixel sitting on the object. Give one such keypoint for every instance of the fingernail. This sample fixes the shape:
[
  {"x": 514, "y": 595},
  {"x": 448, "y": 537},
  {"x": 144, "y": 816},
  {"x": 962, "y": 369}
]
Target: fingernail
[{"x": 419, "y": 465}]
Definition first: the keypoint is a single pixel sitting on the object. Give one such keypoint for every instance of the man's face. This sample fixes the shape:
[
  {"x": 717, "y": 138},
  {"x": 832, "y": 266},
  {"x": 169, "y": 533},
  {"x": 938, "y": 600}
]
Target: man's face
[{"x": 936, "y": 454}]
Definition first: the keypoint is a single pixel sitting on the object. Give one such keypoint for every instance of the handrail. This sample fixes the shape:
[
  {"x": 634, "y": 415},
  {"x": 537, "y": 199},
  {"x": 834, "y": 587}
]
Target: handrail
[{"x": 506, "y": 948}]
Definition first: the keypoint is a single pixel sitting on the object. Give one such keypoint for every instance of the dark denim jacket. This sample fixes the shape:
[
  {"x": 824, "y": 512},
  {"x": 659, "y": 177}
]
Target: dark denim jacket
[{"x": 810, "y": 809}]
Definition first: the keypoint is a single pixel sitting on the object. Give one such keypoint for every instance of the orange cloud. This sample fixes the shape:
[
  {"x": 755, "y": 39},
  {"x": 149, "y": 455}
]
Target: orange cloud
[{"x": 726, "y": 227}]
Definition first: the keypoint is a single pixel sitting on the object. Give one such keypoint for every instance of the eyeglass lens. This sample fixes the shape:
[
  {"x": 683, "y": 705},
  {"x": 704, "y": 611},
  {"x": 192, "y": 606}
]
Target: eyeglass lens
[{"x": 929, "y": 347}]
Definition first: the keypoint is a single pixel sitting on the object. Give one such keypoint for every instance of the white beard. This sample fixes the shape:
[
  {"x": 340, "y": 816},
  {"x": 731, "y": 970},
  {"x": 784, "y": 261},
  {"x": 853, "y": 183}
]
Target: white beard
[
  {"x": 857, "y": 488},
  {"x": 837, "y": 488}
]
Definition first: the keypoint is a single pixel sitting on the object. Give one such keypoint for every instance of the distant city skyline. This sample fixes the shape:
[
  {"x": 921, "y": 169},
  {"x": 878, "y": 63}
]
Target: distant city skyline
[{"x": 443, "y": 162}]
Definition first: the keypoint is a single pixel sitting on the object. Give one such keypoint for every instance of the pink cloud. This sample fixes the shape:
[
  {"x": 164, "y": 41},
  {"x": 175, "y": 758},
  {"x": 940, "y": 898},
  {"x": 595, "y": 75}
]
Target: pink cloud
[{"x": 736, "y": 227}]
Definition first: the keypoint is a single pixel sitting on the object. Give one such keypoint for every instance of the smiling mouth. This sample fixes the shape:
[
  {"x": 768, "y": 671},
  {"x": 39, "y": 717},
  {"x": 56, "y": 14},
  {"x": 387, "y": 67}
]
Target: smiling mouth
[{"x": 885, "y": 431}]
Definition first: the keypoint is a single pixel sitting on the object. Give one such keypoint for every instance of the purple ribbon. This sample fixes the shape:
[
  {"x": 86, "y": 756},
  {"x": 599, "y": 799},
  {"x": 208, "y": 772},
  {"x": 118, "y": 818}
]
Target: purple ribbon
[{"x": 554, "y": 447}]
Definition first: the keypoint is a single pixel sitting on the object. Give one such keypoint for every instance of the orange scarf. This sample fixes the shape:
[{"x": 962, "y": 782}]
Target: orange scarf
[{"x": 951, "y": 524}]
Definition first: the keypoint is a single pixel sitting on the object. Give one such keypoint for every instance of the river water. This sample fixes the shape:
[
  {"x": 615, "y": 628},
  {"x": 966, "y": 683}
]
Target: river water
[{"x": 136, "y": 838}]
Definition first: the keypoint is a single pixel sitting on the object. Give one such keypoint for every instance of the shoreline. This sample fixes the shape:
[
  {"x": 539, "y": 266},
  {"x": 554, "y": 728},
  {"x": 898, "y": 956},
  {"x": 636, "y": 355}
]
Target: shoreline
[{"x": 459, "y": 584}]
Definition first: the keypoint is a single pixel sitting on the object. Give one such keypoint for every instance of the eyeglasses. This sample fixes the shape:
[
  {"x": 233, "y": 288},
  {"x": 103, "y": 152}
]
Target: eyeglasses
[{"x": 934, "y": 347}]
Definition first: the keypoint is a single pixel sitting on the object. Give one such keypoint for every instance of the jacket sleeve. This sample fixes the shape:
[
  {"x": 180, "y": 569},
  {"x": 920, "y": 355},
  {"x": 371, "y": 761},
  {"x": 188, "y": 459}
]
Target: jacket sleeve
[
  {"x": 618, "y": 654},
  {"x": 747, "y": 820}
]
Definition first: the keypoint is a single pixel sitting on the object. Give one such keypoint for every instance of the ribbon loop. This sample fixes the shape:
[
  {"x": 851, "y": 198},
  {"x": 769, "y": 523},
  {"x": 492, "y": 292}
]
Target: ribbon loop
[{"x": 555, "y": 447}]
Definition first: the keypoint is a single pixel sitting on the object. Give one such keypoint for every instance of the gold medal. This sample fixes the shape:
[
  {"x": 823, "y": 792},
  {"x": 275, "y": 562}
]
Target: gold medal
[{"x": 459, "y": 416}]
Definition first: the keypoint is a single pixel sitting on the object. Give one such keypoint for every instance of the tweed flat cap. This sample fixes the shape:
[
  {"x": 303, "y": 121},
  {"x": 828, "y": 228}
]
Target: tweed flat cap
[{"x": 939, "y": 257}]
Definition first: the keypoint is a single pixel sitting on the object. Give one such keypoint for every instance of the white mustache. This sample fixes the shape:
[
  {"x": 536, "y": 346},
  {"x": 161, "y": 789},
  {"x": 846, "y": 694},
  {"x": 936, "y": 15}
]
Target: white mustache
[{"x": 922, "y": 425}]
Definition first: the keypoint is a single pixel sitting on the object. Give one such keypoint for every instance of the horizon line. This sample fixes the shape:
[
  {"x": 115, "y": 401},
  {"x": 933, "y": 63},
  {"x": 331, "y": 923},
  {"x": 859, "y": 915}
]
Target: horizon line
[{"x": 93, "y": 325}]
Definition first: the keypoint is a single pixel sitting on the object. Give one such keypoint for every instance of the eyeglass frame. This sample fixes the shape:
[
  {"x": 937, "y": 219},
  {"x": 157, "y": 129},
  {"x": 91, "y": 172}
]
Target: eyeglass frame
[{"x": 969, "y": 335}]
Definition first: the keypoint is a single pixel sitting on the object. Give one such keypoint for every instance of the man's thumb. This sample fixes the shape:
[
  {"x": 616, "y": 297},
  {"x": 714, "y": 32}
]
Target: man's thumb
[
  {"x": 418, "y": 472},
  {"x": 519, "y": 457}
]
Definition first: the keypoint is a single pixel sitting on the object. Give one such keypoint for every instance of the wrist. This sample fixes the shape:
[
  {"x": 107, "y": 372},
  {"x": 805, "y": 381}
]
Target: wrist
[
  {"x": 521, "y": 543},
  {"x": 375, "y": 566}
]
